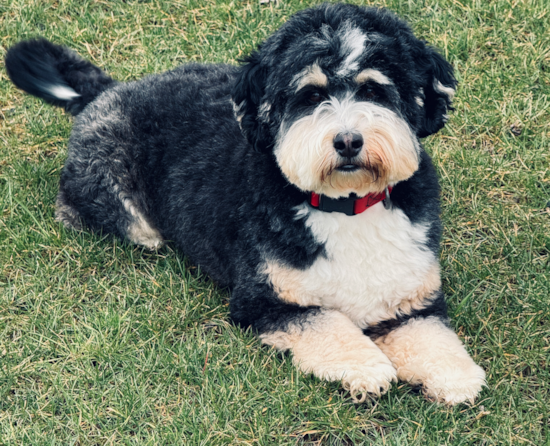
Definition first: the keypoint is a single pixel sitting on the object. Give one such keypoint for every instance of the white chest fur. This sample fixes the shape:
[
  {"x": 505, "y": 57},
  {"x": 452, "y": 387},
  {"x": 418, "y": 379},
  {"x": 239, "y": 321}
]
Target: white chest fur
[{"x": 376, "y": 266}]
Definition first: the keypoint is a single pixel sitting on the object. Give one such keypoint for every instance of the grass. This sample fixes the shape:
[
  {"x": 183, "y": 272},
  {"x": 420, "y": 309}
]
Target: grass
[{"x": 104, "y": 343}]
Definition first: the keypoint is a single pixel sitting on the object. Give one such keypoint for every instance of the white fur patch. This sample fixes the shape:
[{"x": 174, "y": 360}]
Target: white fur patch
[
  {"x": 375, "y": 261},
  {"x": 352, "y": 48},
  {"x": 370, "y": 74},
  {"x": 438, "y": 86},
  {"x": 62, "y": 92},
  {"x": 419, "y": 101},
  {"x": 263, "y": 111},
  {"x": 140, "y": 231},
  {"x": 237, "y": 110}
]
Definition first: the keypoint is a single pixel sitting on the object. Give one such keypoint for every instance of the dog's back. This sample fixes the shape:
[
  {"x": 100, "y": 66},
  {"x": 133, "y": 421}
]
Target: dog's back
[{"x": 139, "y": 149}]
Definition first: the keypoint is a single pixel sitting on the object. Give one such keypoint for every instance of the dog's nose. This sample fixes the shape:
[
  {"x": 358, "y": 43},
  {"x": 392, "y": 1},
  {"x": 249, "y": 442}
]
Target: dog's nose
[{"x": 348, "y": 145}]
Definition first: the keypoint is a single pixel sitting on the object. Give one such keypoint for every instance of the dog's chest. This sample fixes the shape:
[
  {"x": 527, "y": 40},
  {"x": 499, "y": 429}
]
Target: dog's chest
[{"x": 376, "y": 265}]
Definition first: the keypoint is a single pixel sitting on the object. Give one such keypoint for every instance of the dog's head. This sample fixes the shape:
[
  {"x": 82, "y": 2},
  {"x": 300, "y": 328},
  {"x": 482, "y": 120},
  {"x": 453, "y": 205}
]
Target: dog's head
[{"x": 341, "y": 94}]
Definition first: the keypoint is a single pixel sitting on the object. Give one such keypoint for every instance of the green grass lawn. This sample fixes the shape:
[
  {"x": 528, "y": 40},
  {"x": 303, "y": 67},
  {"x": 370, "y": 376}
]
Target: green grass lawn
[{"x": 106, "y": 343}]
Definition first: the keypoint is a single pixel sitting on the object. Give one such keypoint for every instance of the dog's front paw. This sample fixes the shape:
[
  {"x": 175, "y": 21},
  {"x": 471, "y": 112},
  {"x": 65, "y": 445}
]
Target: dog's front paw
[
  {"x": 331, "y": 347},
  {"x": 454, "y": 386},
  {"x": 368, "y": 374},
  {"x": 369, "y": 381},
  {"x": 427, "y": 352}
]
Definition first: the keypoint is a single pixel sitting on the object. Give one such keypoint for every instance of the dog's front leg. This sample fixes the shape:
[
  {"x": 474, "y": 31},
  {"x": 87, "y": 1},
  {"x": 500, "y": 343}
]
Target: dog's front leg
[
  {"x": 426, "y": 351},
  {"x": 328, "y": 344}
]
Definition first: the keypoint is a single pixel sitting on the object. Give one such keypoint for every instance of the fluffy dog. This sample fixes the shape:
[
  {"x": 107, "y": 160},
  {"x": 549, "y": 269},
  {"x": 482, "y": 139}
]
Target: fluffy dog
[{"x": 297, "y": 180}]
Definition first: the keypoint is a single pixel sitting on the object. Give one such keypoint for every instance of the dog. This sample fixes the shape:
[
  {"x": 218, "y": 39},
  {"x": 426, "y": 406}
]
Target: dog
[{"x": 297, "y": 180}]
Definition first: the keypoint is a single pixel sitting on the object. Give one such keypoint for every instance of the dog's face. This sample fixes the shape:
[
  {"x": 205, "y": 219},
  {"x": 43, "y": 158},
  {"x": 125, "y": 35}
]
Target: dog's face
[{"x": 341, "y": 94}]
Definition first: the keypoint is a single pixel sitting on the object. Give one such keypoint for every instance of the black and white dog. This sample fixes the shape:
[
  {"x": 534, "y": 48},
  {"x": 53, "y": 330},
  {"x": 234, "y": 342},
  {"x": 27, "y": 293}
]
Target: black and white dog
[{"x": 297, "y": 180}]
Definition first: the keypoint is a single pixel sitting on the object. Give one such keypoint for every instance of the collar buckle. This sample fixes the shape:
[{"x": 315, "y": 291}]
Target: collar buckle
[{"x": 344, "y": 205}]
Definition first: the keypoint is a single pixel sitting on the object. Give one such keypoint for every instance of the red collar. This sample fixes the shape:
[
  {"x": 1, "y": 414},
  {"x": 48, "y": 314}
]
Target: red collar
[{"x": 350, "y": 205}]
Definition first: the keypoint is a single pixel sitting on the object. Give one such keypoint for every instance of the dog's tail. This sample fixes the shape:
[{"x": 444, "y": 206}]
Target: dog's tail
[{"x": 55, "y": 74}]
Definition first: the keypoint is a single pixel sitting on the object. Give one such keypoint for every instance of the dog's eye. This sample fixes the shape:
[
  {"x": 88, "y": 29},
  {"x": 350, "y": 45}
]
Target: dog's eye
[
  {"x": 315, "y": 97},
  {"x": 368, "y": 93}
]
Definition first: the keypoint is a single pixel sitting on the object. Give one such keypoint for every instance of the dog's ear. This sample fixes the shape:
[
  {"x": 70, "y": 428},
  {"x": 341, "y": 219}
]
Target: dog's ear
[
  {"x": 439, "y": 89},
  {"x": 247, "y": 94}
]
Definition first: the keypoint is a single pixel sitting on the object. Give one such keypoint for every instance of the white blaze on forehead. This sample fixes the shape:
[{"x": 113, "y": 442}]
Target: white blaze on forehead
[
  {"x": 352, "y": 47},
  {"x": 312, "y": 75},
  {"x": 438, "y": 86},
  {"x": 371, "y": 74},
  {"x": 62, "y": 92}
]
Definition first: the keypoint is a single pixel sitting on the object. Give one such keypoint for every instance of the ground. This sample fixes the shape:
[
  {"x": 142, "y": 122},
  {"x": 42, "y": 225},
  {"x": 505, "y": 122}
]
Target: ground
[{"x": 102, "y": 342}]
